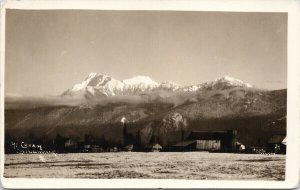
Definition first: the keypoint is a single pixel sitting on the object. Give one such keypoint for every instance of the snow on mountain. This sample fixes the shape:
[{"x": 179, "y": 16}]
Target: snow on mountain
[
  {"x": 169, "y": 86},
  {"x": 218, "y": 84},
  {"x": 97, "y": 81},
  {"x": 96, "y": 84},
  {"x": 140, "y": 83},
  {"x": 104, "y": 85},
  {"x": 226, "y": 82},
  {"x": 191, "y": 88}
]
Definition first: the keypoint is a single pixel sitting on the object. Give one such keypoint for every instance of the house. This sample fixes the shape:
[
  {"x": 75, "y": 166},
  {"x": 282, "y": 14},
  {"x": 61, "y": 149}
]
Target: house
[
  {"x": 87, "y": 148},
  {"x": 240, "y": 147},
  {"x": 128, "y": 148},
  {"x": 96, "y": 148},
  {"x": 153, "y": 147},
  {"x": 275, "y": 144},
  {"x": 114, "y": 149}
]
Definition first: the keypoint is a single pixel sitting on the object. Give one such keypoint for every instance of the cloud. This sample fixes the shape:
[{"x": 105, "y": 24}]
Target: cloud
[{"x": 176, "y": 99}]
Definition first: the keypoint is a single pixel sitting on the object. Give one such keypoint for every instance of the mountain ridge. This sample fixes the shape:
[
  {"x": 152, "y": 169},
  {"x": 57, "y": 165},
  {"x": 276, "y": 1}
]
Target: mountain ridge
[
  {"x": 250, "y": 111},
  {"x": 101, "y": 85}
]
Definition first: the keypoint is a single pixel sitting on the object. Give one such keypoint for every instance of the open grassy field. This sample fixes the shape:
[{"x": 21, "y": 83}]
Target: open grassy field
[{"x": 160, "y": 165}]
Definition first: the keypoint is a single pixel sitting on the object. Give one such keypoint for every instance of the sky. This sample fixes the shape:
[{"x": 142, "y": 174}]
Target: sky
[{"x": 48, "y": 51}]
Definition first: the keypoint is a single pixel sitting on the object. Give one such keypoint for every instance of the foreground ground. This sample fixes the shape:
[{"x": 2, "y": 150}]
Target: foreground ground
[{"x": 165, "y": 165}]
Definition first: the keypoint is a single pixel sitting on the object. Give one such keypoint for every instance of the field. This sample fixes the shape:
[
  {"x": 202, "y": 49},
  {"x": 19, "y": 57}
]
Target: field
[{"x": 163, "y": 165}]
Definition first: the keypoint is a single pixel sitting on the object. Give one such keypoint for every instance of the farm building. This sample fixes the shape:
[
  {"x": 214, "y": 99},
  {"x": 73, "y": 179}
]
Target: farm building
[
  {"x": 128, "y": 148},
  {"x": 96, "y": 148},
  {"x": 276, "y": 143},
  {"x": 240, "y": 147},
  {"x": 153, "y": 147},
  {"x": 87, "y": 148},
  {"x": 208, "y": 141},
  {"x": 194, "y": 145}
]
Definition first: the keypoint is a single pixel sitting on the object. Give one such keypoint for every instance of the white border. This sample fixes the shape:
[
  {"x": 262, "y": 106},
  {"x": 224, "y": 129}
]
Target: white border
[{"x": 293, "y": 104}]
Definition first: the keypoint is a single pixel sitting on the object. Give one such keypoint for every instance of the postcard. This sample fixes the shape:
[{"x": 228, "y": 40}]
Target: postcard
[{"x": 150, "y": 94}]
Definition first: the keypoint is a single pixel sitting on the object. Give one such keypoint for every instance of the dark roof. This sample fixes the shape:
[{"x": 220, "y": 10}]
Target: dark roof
[
  {"x": 276, "y": 139},
  {"x": 184, "y": 143},
  {"x": 207, "y": 135},
  {"x": 208, "y": 131}
]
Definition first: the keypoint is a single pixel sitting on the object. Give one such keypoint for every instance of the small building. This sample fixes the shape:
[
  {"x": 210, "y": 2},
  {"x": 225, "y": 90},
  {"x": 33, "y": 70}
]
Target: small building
[
  {"x": 128, "y": 148},
  {"x": 114, "y": 149},
  {"x": 154, "y": 147},
  {"x": 96, "y": 148},
  {"x": 240, "y": 147},
  {"x": 275, "y": 144},
  {"x": 87, "y": 148}
]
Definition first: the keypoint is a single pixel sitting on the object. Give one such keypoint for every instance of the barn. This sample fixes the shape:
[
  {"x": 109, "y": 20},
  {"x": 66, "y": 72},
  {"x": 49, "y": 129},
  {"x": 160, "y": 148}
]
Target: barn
[{"x": 223, "y": 141}]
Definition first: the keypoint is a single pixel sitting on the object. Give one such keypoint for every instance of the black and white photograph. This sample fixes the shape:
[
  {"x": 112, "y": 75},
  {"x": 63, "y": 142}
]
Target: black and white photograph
[{"x": 145, "y": 94}]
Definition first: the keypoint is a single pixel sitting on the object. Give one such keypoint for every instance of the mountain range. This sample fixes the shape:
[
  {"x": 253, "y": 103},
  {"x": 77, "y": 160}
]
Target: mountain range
[
  {"x": 99, "y": 85},
  {"x": 150, "y": 108}
]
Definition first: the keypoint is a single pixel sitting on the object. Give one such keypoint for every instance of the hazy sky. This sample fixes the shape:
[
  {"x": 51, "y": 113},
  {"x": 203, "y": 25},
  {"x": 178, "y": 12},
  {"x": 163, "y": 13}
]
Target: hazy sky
[{"x": 49, "y": 51}]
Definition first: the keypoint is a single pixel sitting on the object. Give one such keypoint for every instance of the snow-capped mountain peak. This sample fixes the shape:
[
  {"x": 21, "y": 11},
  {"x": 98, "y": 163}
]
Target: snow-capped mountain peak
[
  {"x": 140, "y": 80},
  {"x": 96, "y": 84},
  {"x": 227, "y": 80},
  {"x": 93, "y": 80},
  {"x": 139, "y": 83},
  {"x": 104, "y": 85}
]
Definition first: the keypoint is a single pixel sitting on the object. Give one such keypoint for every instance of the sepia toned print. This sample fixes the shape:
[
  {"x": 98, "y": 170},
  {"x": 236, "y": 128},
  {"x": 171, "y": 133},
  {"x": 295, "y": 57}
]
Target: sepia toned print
[{"x": 145, "y": 95}]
